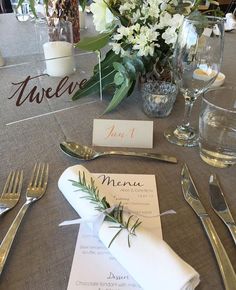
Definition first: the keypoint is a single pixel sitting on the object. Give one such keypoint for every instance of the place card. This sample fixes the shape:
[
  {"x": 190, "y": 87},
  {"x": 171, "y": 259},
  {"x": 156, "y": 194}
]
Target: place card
[
  {"x": 123, "y": 133},
  {"x": 93, "y": 266}
]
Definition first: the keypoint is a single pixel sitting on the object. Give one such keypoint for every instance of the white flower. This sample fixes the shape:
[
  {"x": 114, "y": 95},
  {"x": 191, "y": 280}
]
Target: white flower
[
  {"x": 176, "y": 20},
  {"x": 102, "y": 16},
  {"x": 144, "y": 41},
  {"x": 116, "y": 47},
  {"x": 170, "y": 35},
  {"x": 163, "y": 6},
  {"x": 136, "y": 16},
  {"x": 127, "y": 6},
  {"x": 165, "y": 19}
]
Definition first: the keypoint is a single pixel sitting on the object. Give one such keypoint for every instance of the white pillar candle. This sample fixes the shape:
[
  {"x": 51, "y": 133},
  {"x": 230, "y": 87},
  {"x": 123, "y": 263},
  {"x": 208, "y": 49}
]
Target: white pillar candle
[
  {"x": 82, "y": 21},
  {"x": 59, "y": 58}
]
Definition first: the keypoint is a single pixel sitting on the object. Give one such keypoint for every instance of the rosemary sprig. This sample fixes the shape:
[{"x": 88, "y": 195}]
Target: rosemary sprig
[{"x": 117, "y": 214}]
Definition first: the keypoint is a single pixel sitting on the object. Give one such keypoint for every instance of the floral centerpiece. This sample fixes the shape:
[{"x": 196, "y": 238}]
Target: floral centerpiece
[{"x": 141, "y": 34}]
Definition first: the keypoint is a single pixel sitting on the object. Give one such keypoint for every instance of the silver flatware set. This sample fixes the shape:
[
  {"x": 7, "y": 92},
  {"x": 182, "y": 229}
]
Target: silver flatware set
[
  {"x": 10, "y": 196},
  {"x": 219, "y": 204},
  {"x": 38, "y": 184}
]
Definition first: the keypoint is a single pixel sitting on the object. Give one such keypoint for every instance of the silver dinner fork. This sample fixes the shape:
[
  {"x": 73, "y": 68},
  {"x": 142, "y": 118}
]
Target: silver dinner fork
[
  {"x": 35, "y": 190},
  {"x": 11, "y": 191}
]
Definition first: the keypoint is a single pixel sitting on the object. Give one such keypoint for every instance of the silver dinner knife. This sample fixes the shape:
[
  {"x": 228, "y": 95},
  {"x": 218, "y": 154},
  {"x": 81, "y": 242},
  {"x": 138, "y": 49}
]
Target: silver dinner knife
[
  {"x": 191, "y": 196},
  {"x": 220, "y": 206}
]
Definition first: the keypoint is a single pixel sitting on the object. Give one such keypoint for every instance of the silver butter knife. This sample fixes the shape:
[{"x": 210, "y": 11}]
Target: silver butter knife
[
  {"x": 220, "y": 206},
  {"x": 191, "y": 195}
]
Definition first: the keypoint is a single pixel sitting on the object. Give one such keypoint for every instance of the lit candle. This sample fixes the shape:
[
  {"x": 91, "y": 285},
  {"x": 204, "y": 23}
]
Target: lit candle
[
  {"x": 59, "y": 58},
  {"x": 206, "y": 75}
]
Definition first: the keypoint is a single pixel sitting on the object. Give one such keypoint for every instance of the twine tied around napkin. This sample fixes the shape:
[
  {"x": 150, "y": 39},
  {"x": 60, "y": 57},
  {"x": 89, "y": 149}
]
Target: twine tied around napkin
[
  {"x": 149, "y": 259},
  {"x": 97, "y": 220}
]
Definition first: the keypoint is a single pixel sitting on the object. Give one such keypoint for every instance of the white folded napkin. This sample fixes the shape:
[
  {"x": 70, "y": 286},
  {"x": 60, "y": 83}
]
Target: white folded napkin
[{"x": 151, "y": 262}]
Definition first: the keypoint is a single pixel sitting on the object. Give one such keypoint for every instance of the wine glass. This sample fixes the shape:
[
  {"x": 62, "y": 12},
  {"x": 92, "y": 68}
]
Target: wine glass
[{"x": 196, "y": 63}]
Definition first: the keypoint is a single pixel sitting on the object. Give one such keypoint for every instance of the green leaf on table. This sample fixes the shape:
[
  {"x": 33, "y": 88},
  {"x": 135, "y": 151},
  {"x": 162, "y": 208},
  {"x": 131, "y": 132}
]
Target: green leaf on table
[
  {"x": 138, "y": 64},
  {"x": 131, "y": 88},
  {"x": 109, "y": 58},
  {"x": 130, "y": 68},
  {"x": 119, "y": 78},
  {"x": 119, "y": 67},
  {"x": 119, "y": 95},
  {"x": 93, "y": 84},
  {"x": 94, "y": 43}
]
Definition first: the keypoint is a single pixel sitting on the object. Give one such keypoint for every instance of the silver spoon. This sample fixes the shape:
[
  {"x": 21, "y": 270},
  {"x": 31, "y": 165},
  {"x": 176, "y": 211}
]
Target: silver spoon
[{"x": 85, "y": 153}]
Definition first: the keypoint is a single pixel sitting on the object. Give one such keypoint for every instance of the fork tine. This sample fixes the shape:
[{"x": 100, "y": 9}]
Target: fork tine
[
  {"x": 37, "y": 174},
  {"x": 41, "y": 175},
  {"x": 16, "y": 179},
  {"x": 11, "y": 182},
  {"x": 5, "y": 189},
  {"x": 18, "y": 182},
  {"x": 32, "y": 175},
  {"x": 44, "y": 176}
]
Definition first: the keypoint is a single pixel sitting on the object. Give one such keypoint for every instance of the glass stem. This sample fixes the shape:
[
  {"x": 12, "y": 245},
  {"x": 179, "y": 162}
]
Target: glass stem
[{"x": 187, "y": 111}]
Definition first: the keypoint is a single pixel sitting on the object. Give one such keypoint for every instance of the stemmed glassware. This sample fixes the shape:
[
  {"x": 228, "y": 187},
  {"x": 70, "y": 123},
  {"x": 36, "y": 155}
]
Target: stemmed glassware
[{"x": 196, "y": 64}]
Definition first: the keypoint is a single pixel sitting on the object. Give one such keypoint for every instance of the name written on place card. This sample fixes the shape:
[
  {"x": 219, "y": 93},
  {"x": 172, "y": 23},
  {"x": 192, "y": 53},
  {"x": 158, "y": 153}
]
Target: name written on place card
[{"x": 123, "y": 133}]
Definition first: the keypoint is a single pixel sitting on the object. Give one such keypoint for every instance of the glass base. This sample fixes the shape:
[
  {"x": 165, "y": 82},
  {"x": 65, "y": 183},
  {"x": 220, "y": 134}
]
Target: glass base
[
  {"x": 182, "y": 136},
  {"x": 217, "y": 159}
]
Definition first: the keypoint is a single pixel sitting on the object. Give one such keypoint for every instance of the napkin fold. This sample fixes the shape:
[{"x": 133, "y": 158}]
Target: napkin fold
[{"x": 149, "y": 260}]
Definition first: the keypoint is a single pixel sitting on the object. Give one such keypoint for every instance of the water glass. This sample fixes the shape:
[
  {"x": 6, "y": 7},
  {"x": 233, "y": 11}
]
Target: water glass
[
  {"x": 217, "y": 127},
  {"x": 22, "y": 12},
  {"x": 158, "y": 98}
]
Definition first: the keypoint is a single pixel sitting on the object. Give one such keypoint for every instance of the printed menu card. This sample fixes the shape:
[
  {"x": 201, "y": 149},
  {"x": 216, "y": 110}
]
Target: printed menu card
[{"x": 93, "y": 267}]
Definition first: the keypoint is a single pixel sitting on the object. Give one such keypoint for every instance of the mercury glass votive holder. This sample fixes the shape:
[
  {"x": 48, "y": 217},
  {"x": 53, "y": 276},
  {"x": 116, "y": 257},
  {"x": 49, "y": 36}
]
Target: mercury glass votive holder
[{"x": 158, "y": 98}]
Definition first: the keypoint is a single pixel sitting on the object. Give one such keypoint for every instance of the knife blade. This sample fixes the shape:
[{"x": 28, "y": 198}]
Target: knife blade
[
  {"x": 191, "y": 196},
  {"x": 220, "y": 205}
]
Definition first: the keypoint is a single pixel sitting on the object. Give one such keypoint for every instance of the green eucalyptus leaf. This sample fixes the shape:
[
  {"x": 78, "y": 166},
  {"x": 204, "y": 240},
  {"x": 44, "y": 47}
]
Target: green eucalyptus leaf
[
  {"x": 119, "y": 78},
  {"x": 104, "y": 72},
  {"x": 130, "y": 69},
  {"x": 93, "y": 84},
  {"x": 83, "y": 3},
  {"x": 119, "y": 95},
  {"x": 131, "y": 88},
  {"x": 108, "y": 60},
  {"x": 20, "y": 3},
  {"x": 95, "y": 42},
  {"x": 32, "y": 6},
  {"x": 119, "y": 67},
  {"x": 139, "y": 65}
]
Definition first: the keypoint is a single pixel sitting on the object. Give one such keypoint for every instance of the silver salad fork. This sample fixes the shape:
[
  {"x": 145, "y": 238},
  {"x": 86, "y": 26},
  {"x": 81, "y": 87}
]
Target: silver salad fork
[
  {"x": 11, "y": 191},
  {"x": 35, "y": 190}
]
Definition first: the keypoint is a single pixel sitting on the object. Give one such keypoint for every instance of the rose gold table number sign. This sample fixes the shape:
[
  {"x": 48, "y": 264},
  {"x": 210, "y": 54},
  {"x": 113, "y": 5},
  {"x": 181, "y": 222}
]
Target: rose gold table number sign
[{"x": 123, "y": 133}]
